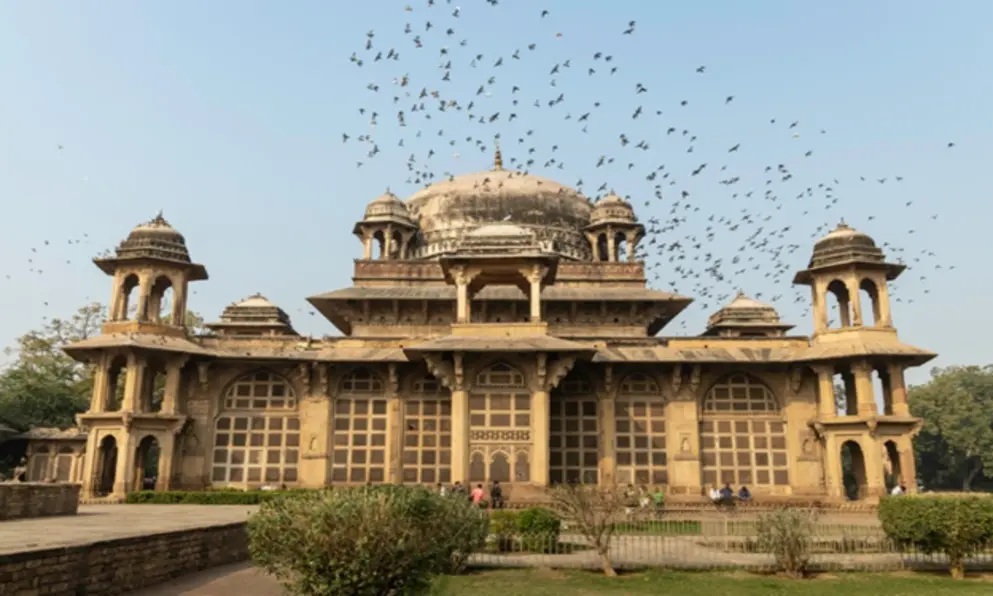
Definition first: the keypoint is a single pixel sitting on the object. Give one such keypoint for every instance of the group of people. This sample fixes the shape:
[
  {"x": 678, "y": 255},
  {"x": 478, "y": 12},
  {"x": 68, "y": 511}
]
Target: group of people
[
  {"x": 727, "y": 494},
  {"x": 477, "y": 495}
]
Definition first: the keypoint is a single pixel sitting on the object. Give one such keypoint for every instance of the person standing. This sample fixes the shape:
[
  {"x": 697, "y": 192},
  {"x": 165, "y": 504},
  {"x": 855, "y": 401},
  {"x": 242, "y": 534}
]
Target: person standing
[
  {"x": 496, "y": 495},
  {"x": 477, "y": 494}
]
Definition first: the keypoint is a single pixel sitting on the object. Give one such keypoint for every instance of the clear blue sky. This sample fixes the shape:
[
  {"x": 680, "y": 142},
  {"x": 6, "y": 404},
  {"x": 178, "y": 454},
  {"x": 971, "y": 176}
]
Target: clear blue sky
[{"x": 229, "y": 116}]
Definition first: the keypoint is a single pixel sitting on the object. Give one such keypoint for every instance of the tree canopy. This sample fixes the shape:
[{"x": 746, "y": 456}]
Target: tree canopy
[
  {"x": 955, "y": 445},
  {"x": 43, "y": 386}
]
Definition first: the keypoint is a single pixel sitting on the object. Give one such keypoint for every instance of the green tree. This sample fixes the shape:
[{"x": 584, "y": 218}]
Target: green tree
[
  {"x": 44, "y": 386},
  {"x": 955, "y": 445}
]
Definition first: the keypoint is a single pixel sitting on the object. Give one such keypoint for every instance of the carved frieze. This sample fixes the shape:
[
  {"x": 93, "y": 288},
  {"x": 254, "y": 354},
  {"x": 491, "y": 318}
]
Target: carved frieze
[
  {"x": 500, "y": 436},
  {"x": 695, "y": 373},
  {"x": 302, "y": 376}
]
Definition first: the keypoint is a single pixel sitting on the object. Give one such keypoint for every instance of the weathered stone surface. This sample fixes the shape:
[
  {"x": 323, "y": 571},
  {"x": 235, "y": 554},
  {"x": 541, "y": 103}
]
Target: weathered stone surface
[{"x": 37, "y": 499}]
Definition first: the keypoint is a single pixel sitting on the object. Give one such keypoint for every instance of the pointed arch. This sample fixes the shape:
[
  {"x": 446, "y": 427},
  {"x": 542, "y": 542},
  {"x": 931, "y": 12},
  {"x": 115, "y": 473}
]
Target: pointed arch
[
  {"x": 743, "y": 436},
  {"x": 257, "y": 434},
  {"x": 499, "y": 375}
]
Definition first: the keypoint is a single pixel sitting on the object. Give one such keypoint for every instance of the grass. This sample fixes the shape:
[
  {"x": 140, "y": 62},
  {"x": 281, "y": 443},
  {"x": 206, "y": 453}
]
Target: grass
[{"x": 546, "y": 582}]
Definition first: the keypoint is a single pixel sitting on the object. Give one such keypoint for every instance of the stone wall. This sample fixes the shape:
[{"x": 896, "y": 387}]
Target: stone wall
[
  {"x": 37, "y": 499},
  {"x": 118, "y": 566}
]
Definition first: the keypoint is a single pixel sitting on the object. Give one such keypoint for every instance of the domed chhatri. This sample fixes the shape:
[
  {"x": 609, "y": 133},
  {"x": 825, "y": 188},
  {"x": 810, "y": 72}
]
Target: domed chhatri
[
  {"x": 254, "y": 316},
  {"x": 155, "y": 239},
  {"x": 612, "y": 209},
  {"x": 388, "y": 208},
  {"x": 845, "y": 243},
  {"x": 746, "y": 317},
  {"x": 445, "y": 210}
]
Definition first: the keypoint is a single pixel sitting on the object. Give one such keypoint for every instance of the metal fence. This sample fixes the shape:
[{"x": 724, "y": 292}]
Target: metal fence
[{"x": 716, "y": 541}]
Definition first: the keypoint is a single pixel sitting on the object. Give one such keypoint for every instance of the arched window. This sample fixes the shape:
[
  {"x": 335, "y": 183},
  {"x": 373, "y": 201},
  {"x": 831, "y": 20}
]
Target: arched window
[
  {"x": 257, "y": 437},
  {"x": 40, "y": 463},
  {"x": 427, "y": 434},
  {"x": 640, "y": 432},
  {"x": 360, "y": 421},
  {"x": 499, "y": 419},
  {"x": 573, "y": 447},
  {"x": 743, "y": 436}
]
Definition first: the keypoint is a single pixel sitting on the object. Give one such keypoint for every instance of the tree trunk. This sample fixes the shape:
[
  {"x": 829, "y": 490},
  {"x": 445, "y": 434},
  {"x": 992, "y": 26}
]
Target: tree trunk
[
  {"x": 956, "y": 566},
  {"x": 973, "y": 472},
  {"x": 608, "y": 567}
]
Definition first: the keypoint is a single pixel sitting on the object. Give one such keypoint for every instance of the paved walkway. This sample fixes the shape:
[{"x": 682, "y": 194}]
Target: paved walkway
[
  {"x": 107, "y": 522},
  {"x": 229, "y": 580}
]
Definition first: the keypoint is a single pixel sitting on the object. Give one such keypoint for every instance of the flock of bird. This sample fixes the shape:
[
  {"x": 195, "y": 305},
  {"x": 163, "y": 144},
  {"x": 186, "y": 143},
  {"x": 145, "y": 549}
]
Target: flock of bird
[
  {"x": 698, "y": 197},
  {"x": 713, "y": 222}
]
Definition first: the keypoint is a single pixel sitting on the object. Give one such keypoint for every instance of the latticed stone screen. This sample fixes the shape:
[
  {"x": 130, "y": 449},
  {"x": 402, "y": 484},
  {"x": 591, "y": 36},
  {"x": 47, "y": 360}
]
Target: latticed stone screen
[
  {"x": 427, "y": 435},
  {"x": 743, "y": 435},
  {"x": 573, "y": 448},
  {"x": 640, "y": 432},
  {"x": 257, "y": 437},
  {"x": 358, "y": 453}
]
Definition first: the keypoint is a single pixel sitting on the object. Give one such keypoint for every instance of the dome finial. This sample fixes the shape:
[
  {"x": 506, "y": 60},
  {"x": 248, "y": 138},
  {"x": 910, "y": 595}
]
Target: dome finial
[{"x": 497, "y": 156}]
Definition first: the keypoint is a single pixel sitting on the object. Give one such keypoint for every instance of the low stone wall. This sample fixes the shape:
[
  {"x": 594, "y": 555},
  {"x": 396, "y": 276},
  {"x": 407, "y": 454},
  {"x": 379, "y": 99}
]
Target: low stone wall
[
  {"x": 117, "y": 566},
  {"x": 37, "y": 499}
]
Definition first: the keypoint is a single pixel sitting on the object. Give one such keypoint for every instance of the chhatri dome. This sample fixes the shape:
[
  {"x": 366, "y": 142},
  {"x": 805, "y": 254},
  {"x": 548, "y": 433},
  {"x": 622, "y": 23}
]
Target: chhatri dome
[{"x": 446, "y": 210}]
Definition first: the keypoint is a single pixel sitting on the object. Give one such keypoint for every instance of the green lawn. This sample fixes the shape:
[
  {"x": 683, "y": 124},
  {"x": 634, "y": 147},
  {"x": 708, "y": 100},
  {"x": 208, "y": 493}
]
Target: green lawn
[{"x": 542, "y": 582}]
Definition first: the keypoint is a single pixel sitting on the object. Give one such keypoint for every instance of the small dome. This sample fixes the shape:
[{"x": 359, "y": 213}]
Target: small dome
[
  {"x": 746, "y": 315},
  {"x": 255, "y": 301},
  {"x": 844, "y": 244},
  {"x": 155, "y": 239},
  {"x": 253, "y": 316},
  {"x": 388, "y": 208},
  {"x": 612, "y": 209}
]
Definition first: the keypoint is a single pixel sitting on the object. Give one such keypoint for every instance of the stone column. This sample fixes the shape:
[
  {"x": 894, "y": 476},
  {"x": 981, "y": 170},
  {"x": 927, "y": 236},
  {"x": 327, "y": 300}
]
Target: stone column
[
  {"x": 463, "y": 307},
  {"x": 174, "y": 375},
  {"x": 460, "y": 423},
  {"x": 144, "y": 290},
  {"x": 826, "y": 406},
  {"x": 832, "y": 467},
  {"x": 898, "y": 391},
  {"x": 908, "y": 464},
  {"x": 166, "y": 458},
  {"x": 607, "y": 409},
  {"x": 875, "y": 478},
  {"x": 101, "y": 384},
  {"x": 863, "y": 389},
  {"x": 134, "y": 383},
  {"x": 394, "y": 429},
  {"x": 682, "y": 425},
  {"x": 818, "y": 292},
  {"x": 367, "y": 246},
  {"x": 855, "y": 297},
  {"x": 124, "y": 473},
  {"x": 631, "y": 246},
  {"x": 883, "y": 296},
  {"x": 534, "y": 277},
  {"x": 540, "y": 428},
  {"x": 611, "y": 246}
]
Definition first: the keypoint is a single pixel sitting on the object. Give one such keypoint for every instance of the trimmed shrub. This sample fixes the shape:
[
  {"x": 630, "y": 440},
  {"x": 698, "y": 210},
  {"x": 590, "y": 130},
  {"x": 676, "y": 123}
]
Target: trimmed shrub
[
  {"x": 539, "y": 529},
  {"x": 958, "y": 526},
  {"x": 365, "y": 540},
  {"x": 787, "y": 534},
  {"x": 207, "y": 497},
  {"x": 503, "y": 526}
]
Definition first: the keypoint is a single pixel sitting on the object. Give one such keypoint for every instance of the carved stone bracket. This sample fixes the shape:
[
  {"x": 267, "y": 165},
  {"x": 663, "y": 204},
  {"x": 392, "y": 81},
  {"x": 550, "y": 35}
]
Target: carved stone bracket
[
  {"x": 323, "y": 378},
  {"x": 796, "y": 378},
  {"x": 393, "y": 378},
  {"x": 541, "y": 374},
  {"x": 608, "y": 380},
  {"x": 676, "y": 378},
  {"x": 203, "y": 368},
  {"x": 558, "y": 371},
  {"x": 443, "y": 371},
  {"x": 459, "y": 369},
  {"x": 303, "y": 377},
  {"x": 695, "y": 373}
]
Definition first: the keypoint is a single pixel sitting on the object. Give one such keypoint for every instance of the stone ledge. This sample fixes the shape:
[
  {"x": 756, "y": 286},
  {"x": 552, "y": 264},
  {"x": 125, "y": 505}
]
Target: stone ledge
[
  {"x": 121, "y": 565},
  {"x": 20, "y": 500}
]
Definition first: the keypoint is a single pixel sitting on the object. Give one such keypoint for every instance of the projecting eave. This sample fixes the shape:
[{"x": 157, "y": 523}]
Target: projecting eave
[
  {"x": 863, "y": 348},
  {"x": 710, "y": 355},
  {"x": 84, "y": 350},
  {"x": 108, "y": 265},
  {"x": 806, "y": 277},
  {"x": 461, "y": 343}
]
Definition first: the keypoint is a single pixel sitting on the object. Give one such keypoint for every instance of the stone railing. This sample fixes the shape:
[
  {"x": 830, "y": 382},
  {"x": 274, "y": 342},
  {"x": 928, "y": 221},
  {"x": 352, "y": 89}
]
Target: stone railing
[
  {"x": 37, "y": 499},
  {"x": 116, "y": 566}
]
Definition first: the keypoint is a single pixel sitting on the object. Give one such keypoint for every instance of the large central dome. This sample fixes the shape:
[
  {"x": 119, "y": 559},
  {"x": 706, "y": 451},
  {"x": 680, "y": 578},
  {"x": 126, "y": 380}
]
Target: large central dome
[{"x": 446, "y": 210}]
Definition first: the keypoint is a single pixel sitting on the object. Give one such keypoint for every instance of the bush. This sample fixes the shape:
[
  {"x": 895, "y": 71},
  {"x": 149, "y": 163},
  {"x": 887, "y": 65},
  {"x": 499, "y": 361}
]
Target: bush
[
  {"x": 207, "y": 497},
  {"x": 539, "y": 529},
  {"x": 958, "y": 526},
  {"x": 503, "y": 526},
  {"x": 787, "y": 535},
  {"x": 366, "y": 540}
]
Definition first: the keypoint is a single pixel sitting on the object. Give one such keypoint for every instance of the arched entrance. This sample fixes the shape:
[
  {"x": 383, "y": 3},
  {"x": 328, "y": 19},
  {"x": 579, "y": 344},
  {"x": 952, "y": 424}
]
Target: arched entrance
[
  {"x": 499, "y": 426},
  {"x": 853, "y": 470},
  {"x": 107, "y": 465},
  {"x": 146, "y": 464}
]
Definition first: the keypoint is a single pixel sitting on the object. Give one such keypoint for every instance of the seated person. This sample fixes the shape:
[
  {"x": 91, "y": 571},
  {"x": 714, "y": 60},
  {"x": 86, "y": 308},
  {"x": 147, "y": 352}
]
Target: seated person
[
  {"x": 727, "y": 494},
  {"x": 744, "y": 494}
]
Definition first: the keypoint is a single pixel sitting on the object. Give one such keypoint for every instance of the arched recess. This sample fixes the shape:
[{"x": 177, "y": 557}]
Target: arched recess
[
  {"x": 427, "y": 433},
  {"x": 379, "y": 239},
  {"x": 499, "y": 423},
  {"x": 257, "y": 434},
  {"x": 640, "y": 431},
  {"x": 620, "y": 247},
  {"x": 146, "y": 464},
  {"x": 894, "y": 472},
  {"x": 360, "y": 421},
  {"x": 396, "y": 246},
  {"x": 869, "y": 299},
  {"x": 63, "y": 464},
  {"x": 122, "y": 311},
  {"x": 40, "y": 464},
  {"x": 743, "y": 436},
  {"x": 842, "y": 311},
  {"x": 603, "y": 247},
  {"x": 573, "y": 441},
  {"x": 106, "y": 469},
  {"x": 160, "y": 298},
  {"x": 853, "y": 472}
]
